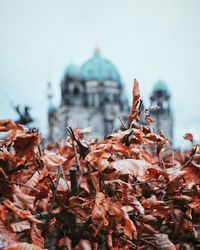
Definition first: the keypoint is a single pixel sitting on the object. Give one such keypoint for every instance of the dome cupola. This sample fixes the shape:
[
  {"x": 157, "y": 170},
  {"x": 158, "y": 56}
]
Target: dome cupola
[
  {"x": 99, "y": 69},
  {"x": 72, "y": 71},
  {"x": 160, "y": 86}
]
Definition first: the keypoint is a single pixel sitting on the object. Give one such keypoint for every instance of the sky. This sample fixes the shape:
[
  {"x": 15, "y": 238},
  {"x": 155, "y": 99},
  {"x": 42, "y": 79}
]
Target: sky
[{"x": 147, "y": 39}]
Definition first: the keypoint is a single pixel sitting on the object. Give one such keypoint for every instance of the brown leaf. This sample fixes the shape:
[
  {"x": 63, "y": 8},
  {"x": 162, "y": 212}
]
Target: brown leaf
[
  {"x": 191, "y": 174},
  {"x": 162, "y": 242},
  {"x": 135, "y": 111},
  {"x": 23, "y": 200},
  {"x": 6, "y": 125},
  {"x": 188, "y": 136},
  {"x": 155, "y": 138},
  {"x": 20, "y": 226},
  {"x": 136, "y": 96},
  {"x": 24, "y": 214},
  {"x": 33, "y": 181},
  {"x": 65, "y": 242},
  {"x": 116, "y": 209},
  {"x": 195, "y": 204},
  {"x": 149, "y": 119},
  {"x": 25, "y": 143},
  {"x": 23, "y": 246},
  {"x": 36, "y": 236},
  {"x": 53, "y": 160},
  {"x": 7, "y": 237},
  {"x": 101, "y": 207},
  {"x": 131, "y": 167}
]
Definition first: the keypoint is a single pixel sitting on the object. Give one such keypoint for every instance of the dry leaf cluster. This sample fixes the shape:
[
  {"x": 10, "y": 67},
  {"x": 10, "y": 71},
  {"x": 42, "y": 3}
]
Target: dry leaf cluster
[{"x": 129, "y": 191}]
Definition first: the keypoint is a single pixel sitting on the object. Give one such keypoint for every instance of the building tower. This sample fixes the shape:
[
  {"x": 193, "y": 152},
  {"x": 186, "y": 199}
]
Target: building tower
[
  {"x": 92, "y": 95},
  {"x": 164, "y": 121},
  {"x": 51, "y": 112}
]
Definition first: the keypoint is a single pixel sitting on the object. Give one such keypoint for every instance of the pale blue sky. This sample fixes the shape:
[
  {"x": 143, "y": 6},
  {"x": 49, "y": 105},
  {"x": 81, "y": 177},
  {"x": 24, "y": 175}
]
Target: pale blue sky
[{"x": 147, "y": 39}]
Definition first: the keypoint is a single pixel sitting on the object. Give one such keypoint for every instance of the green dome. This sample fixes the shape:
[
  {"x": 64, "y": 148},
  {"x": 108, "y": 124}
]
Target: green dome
[
  {"x": 72, "y": 70},
  {"x": 160, "y": 86},
  {"x": 100, "y": 69}
]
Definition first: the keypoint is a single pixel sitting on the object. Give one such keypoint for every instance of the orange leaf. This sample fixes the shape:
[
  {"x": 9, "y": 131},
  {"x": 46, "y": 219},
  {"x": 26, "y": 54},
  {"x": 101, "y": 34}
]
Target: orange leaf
[
  {"x": 20, "y": 226},
  {"x": 24, "y": 214},
  {"x": 25, "y": 143},
  {"x": 102, "y": 205},
  {"x": 188, "y": 136},
  {"x": 36, "y": 236},
  {"x": 23, "y": 246},
  {"x": 132, "y": 167},
  {"x": 53, "y": 160},
  {"x": 136, "y": 96}
]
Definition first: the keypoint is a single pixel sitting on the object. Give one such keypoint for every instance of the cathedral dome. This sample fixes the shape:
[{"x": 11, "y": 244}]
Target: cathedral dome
[
  {"x": 100, "y": 69},
  {"x": 160, "y": 86},
  {"x": 72, "y": 70}
]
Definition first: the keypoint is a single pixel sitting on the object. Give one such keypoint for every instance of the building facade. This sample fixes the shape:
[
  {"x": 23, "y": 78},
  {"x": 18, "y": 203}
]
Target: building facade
[
  {"x": 91, "y": 96},
  {"x": 161, "y": 97}
]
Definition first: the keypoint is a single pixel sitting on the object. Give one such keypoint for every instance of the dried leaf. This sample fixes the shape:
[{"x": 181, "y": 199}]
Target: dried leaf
[
  {"x": 136, "y": 168},
  {"x": 188, "y": 136},
  {"x": 20, "y": 226},
  {"x": 36, "y": 236},
  {"x": 65, "y": 242},
  {"x": 24, "y": 214},
  {"x": 23, "y": 246},
  {"x": 25, "y": 143},
  {"x": 6, "y": 125},
  {"x": 53, "y": 160},
  {"x": 101, "y": 207},
  {"x": 23, "y": 200},
  {"x": 136, "y": 96},
  {"x": 162, "y": 242}
]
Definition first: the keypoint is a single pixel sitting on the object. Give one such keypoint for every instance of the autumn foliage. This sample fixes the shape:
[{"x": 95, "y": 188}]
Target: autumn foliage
[{"x": 129, "y": 191}]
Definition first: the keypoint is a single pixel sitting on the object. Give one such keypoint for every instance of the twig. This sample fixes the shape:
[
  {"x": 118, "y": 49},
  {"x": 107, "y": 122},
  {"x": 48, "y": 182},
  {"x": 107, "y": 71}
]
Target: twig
[
  {"x": 121, "y": 121},
  {"x": 41, "y": 214},
  {"x": 39, "y": 150},
  {"x": 76, "y": 154},
  {"x": 71, "y": 133},
  {"x": 54, "y": 190},
  {"x": 74, "y": 192},
  {"x": 191, "y": 157},
  {"x": 188, "y": 161},
  {"x": 22, "y": 184},
  {"x": 20, "y": 167},
  {"x": 147, "y": 241},
  {"x": 143, "y": 182},
  {"x": 64, "y": 177},
  {"x": 129, "y": 242},
  {"x": 74, "y": 181}
]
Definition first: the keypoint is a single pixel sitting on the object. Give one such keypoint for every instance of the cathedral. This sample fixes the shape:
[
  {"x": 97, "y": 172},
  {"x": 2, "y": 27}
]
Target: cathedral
[{"x": 93, "y": 95}]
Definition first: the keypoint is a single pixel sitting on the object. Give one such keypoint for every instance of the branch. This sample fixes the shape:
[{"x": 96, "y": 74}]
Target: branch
[
  {"x": 71, "y": 133},
  {"x": 74, "y": 181}
]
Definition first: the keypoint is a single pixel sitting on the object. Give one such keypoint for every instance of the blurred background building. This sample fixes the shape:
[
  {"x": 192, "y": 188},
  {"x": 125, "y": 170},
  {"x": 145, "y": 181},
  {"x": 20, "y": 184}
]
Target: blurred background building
[
  {"x": 160, "y": 98},
  {"x": 93, "y": 95}
]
